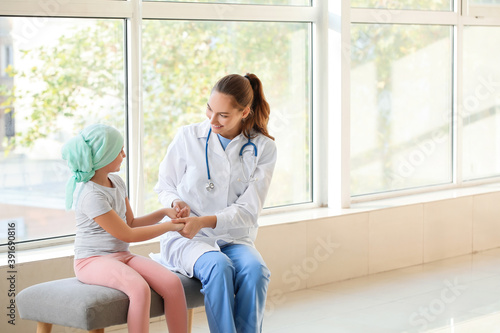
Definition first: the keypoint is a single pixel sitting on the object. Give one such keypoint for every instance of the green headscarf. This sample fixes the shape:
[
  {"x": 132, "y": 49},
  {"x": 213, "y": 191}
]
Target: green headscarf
[{"x": 93, "y": 148}]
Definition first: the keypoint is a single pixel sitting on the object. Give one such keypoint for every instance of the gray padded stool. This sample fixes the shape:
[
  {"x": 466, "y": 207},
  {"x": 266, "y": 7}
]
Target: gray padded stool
[{"x": 68, "y": 302}]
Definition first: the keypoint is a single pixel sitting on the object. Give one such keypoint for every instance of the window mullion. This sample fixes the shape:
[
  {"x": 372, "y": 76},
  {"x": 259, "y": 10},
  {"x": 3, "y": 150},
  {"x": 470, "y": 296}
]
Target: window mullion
[
  {"x": 338, "y": 106},
  {"x": 457, "y": 123},
  {"x": 134, "y": 112}
]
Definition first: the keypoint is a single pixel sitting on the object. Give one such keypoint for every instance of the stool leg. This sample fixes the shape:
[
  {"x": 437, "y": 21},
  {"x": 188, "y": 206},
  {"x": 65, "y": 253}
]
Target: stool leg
[
  {"x": 190, "y": 319},
  {"x": 43, "y": 327}
]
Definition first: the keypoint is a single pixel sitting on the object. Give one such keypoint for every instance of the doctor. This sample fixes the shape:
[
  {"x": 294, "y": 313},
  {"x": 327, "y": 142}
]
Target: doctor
[{"x": 216, "y": 174}]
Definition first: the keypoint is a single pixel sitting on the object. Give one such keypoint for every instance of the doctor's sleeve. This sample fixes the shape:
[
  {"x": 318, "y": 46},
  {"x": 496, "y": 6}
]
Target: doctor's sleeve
[
  {"x": 171, "y": 171},
  {"x": 244, "y": 212}
]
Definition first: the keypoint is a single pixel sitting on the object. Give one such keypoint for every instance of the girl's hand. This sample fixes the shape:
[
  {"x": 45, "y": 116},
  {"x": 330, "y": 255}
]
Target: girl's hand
[
  {"x": 175, "y": 226},
  {"x": 182, "y": 209}
]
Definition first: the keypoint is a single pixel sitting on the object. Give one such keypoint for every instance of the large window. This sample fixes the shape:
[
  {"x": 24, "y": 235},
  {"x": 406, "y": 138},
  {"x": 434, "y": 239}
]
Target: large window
[
  {"x": 401, "y": 106},
  {"x": 60, "y": 74},
  {"x": 182, "y": 60},
  {"x": 424, "y": 96},
  {"x": 480, "y": 109},
  {"x": 64, "y": 74}
]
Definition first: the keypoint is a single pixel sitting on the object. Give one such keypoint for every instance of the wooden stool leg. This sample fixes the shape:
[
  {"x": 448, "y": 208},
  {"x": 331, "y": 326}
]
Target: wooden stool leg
[
  {"x": 43, "y": 327},
  {"x": 190, "y": 319},
  {"x": 99, "y": 330}
]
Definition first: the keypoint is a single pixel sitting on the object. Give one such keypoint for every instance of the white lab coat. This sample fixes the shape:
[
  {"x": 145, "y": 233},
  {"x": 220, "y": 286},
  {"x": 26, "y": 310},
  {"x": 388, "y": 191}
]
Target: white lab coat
[{"x": 237, "y": 205}]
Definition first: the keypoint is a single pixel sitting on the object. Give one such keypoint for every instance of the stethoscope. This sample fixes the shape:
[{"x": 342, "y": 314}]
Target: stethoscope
[{"x": 210, "y": 185}]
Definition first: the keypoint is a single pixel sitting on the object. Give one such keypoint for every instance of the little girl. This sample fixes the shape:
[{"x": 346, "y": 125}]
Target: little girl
[{"x": 106, "y": 225}]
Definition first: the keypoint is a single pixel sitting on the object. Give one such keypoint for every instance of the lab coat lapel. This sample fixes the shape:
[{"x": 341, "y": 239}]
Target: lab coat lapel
[{"x": 215, "y": 146}]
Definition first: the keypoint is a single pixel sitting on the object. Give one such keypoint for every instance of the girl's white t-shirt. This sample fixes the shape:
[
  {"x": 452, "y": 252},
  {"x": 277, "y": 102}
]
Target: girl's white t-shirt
[{"x": 92, "y": 201}]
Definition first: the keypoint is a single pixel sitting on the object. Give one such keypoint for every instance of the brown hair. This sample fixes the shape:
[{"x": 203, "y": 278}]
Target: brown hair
[{"x": 247, "y": 91}]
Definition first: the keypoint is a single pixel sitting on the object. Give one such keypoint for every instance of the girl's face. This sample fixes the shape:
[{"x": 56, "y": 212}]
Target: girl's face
[
  {"x": 115, "y": 165},
  {"x": 224, "y": 117}
]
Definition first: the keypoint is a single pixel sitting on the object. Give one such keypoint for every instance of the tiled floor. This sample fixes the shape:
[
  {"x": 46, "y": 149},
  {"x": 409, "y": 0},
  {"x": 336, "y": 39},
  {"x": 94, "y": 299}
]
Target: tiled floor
[{"x": 456, "y": 295}]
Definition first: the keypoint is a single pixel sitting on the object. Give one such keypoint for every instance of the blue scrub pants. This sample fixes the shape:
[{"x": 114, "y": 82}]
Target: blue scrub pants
[{"x": 235, "y": 284}]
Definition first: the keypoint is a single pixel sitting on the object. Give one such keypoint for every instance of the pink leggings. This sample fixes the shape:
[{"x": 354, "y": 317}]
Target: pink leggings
[{"x": 134, "y": 274}]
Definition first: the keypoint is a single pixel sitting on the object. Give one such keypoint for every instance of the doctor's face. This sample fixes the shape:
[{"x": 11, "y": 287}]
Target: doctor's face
[{"x": 225, "y": 119}]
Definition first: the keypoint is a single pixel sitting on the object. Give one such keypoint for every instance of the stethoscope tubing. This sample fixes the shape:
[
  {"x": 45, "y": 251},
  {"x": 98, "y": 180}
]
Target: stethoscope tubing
[
  {"x": 206, "y": 154},
  {"x": 210, "y": 184}
]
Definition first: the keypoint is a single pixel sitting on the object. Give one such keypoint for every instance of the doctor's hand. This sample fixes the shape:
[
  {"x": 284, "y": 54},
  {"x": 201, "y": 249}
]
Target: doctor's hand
[
  {"x": 193, "y": 224},
  {"x": 182, "y": 208}
]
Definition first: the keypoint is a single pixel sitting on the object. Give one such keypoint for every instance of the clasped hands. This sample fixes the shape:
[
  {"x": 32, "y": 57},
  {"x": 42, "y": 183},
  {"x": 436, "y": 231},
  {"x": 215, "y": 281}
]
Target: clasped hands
[{"x": 187, "y": 226}]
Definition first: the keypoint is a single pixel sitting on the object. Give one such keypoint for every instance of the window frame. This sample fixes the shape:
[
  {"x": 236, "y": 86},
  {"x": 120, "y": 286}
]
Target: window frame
[
  {"x": 5, "y": 59},
  {"x": 480, "y": 11},
  {"x": 457, "y": 20},
  {"x": 134, "y": 12},
  {"x": 217, "y": 12}
]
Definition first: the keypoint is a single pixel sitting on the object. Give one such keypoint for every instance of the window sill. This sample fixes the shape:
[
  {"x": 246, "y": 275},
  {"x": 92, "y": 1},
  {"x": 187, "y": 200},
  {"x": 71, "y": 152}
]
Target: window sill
[
  {"x": 280, "y": 216},
  {"x": 277, "y": 216}
]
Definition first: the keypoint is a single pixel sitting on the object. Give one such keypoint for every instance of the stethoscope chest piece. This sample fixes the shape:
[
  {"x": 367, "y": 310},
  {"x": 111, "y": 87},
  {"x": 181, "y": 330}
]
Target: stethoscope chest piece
[{"x": 210, "y": 186}]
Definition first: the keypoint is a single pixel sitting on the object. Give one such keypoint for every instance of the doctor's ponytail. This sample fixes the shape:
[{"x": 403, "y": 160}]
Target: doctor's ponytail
[{"x": 247, "y": 91}]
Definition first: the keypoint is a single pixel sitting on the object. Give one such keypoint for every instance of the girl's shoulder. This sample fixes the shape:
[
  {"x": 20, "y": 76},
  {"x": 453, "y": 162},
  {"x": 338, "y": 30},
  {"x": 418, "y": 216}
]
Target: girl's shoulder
[
  {"x": 118, "y": 182},
  {"x": 89, "y": 194},
  {"x": 116, "y": 179}
]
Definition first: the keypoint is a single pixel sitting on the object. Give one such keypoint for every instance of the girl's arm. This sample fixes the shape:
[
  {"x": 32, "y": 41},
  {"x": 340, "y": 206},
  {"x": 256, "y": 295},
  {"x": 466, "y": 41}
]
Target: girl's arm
[{"x": 113, "y": 224}]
